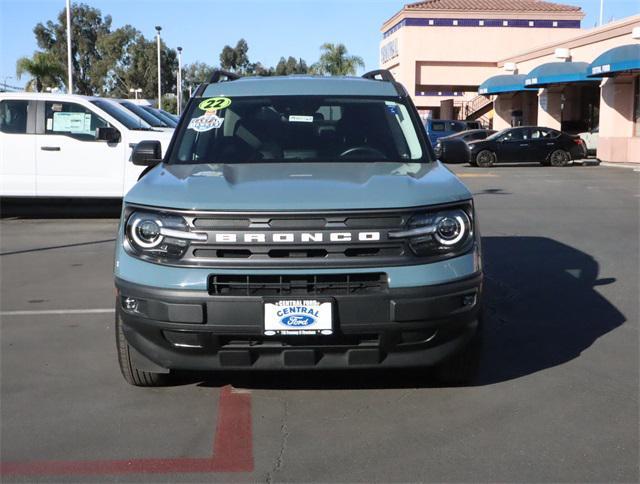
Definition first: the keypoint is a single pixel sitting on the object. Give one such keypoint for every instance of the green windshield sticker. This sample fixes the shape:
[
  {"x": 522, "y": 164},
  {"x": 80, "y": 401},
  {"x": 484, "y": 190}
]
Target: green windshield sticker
[{"x": 215, "y": 103}]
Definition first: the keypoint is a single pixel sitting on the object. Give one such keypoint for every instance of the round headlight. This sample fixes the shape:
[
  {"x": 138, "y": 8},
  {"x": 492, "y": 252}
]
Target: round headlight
[
  {"x": 145, "y": 232},
  {"x": 450, "y": 230}
]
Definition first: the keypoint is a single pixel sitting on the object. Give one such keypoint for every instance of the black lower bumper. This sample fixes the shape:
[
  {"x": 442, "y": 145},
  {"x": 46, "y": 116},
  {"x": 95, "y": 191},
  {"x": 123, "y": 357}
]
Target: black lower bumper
[{"x": 193, "y": 330}]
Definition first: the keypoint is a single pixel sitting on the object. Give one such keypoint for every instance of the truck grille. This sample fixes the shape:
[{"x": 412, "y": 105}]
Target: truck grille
[
  {"x": 367, "y": 246},
  {"x": 297, "y": 285}
]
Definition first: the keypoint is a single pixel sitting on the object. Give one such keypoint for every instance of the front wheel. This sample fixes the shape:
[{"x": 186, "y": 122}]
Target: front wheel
[
  {"x": 559, "y": 158},
  {"x": 462, "y": 368},
  {"x": 133, "y": 375},
  {"x": 485, "y": 159}
]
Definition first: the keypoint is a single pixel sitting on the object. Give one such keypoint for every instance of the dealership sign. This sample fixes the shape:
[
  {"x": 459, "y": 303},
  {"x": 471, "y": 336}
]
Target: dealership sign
[{"x": 389, "y": 51}]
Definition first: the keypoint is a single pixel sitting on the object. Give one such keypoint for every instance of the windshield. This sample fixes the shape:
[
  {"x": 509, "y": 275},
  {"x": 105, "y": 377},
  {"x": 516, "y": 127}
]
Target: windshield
[
  {"x": 130, "y": 121},
  {"x": 160, "y": 114},
  {"x": 148, "y": 117},
  {"x": 298, "y": 128}
]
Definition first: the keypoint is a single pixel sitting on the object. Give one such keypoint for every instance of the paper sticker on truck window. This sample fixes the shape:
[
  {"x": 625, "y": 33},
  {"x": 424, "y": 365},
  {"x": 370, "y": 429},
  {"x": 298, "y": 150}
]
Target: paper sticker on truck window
[
  {"x": 215, "y": 103},
  {"x": 72, "y": 123},
  {"x": 206, "y": 122},
  {"x": 296, "y": 118}
]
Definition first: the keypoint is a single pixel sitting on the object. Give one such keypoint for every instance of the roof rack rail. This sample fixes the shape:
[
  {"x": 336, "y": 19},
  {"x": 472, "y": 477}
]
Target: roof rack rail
[
  {"x": 379, "y": 75},
  {"x": 219, "y": 73}
]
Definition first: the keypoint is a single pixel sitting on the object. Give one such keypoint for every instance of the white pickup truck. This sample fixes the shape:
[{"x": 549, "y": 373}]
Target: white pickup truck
[{"x": 61, "y": 145}]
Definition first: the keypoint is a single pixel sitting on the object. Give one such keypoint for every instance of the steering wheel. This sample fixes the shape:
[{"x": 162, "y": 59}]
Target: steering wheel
[{"x": 362, "y": 151}]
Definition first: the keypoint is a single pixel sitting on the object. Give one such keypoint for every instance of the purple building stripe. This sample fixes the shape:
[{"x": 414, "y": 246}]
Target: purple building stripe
[{"x": 469, "y": 22}]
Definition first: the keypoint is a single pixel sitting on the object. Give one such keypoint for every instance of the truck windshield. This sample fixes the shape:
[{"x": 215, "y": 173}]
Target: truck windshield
[
  {"x": 130, "y": 121},
  {"x": 298, "y": 128},
  {"x": 153, "y": 120},
  {"x": 161, "y": 114}
]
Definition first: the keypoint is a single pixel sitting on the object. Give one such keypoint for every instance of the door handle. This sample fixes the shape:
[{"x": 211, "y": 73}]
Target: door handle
[{"x": 50, "y": 148}]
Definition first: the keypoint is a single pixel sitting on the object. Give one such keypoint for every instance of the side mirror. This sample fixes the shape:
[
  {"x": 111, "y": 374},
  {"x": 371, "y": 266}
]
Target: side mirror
[
  {"x": 147, "y": 153},
  {"x": 108, "y": 134}
]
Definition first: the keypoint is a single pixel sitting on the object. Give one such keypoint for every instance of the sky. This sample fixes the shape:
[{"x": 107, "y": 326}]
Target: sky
[{"x": 272, "y": 28}]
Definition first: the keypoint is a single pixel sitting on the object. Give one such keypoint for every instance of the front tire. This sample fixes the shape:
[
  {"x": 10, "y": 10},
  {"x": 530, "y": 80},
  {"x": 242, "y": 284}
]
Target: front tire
[
  {"x": 485, "y": 159},
  {"x": 559, "y": 158},
  {"x": 132, "y": 375},
  {"x": 463, "y": 367}
]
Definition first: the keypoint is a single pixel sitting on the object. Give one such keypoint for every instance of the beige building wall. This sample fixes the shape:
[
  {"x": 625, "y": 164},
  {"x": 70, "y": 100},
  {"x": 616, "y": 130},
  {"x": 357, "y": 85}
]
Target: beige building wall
[{"x": 433, "y": 57}]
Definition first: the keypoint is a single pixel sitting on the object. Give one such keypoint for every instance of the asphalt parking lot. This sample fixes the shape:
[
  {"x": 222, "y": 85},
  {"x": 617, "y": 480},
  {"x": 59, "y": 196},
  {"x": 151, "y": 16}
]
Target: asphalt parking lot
[{"x": 557, "y": 398}]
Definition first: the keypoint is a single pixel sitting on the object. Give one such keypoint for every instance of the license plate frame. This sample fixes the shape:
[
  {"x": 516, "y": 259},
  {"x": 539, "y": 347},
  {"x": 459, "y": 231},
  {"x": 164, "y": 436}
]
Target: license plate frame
[{"x": 284, "y": 316}]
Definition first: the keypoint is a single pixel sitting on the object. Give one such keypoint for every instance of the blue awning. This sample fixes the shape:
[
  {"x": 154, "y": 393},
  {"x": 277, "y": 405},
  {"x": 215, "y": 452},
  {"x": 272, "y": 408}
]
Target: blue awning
[
  {"x": 624, "y": 58},
  {"x": 501, "y": 84},
  {"x": 557, "y": 73}
]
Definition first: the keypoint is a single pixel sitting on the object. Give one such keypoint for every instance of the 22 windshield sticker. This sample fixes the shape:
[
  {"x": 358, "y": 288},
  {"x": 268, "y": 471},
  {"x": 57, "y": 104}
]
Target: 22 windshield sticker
[{"x": 215, "y": 103}]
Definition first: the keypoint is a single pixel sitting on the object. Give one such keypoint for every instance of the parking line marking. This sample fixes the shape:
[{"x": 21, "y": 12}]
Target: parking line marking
[
  {"x": 56, "y": 311},
  {"x": 232, "y": 450}
]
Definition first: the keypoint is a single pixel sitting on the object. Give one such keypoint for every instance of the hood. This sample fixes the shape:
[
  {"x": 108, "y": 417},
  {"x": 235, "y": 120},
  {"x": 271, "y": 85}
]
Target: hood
[{"x": 297, "y": 186}]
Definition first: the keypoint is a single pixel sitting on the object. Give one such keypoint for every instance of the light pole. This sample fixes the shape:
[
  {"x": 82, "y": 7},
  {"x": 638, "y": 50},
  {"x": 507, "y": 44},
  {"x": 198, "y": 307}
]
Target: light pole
[
  {"x": 135, "y": 92},
  {"x": 601, "y": 11},
  {"x": 179, "y": 93},
  {"x": 158, "y": 29},
  {"x": 69, "y": 63}
]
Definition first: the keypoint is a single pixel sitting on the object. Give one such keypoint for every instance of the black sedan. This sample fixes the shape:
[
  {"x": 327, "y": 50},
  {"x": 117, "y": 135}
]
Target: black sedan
[
  {"x": 529, "y": 144},
  {"x": 453, "y": 148}
]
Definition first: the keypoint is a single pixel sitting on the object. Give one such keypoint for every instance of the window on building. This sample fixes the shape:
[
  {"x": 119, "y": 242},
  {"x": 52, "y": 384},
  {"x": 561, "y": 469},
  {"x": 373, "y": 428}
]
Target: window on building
[
  {"x": 72, "y": 119},
  {"x": 13, "y": 116},
  {"x": 636, "y": 111}
]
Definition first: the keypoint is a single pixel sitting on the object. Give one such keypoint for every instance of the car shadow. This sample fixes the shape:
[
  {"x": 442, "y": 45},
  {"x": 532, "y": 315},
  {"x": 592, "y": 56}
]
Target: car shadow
[
  {"x": 542, "y": 309},
  {"x": 60, "y": 208}
]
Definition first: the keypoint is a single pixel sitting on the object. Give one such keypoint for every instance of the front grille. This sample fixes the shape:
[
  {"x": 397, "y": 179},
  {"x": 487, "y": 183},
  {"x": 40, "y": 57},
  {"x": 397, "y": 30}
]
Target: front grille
[
  {"x": 297, "y": 285},
  {"x": 244, "y": 249}
]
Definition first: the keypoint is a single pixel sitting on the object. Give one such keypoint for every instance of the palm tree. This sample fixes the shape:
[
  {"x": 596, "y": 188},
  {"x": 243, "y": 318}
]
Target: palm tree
[
  {"x": 44, "y": 70},
  {"x": 334, "y": 61}
]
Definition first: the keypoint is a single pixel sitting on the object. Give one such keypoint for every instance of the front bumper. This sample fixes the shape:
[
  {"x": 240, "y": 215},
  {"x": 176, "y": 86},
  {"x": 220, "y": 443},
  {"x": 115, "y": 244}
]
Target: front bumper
[{"x": 399, "y": 327}]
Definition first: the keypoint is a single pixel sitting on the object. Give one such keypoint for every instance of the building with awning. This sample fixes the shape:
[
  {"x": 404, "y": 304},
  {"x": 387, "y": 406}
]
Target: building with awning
[
  {"x": 619, "y": 71},
  {"x": 519, "y": 62},
  {"x": 585, "y": 83}
]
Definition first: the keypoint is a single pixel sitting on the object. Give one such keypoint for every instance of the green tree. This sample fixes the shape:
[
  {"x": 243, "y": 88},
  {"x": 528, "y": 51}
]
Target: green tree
[
  {"x": 87, "y": 28},
  {"x": 44, "y": 69},
  {"x": 291, "y": 66},
  {"x": 257, "y": 69},
  {"x": 170, "y": 103},
  {"x": 132, "y": 64},
  {"x": 335, "y": 61},
  {"x": 235, "y": 58}
]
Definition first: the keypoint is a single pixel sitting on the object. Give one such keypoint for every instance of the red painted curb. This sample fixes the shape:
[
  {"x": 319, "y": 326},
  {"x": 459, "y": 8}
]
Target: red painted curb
[{"x": 232, "y": 450}]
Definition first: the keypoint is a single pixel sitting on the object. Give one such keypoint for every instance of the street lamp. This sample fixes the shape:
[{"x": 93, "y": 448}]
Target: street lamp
[
  {"x": 69, "y": 63},
  {"x": 135, "y": 92},
  {"x": 179, "y": 89},
  {"x": 158, "y": 29}
]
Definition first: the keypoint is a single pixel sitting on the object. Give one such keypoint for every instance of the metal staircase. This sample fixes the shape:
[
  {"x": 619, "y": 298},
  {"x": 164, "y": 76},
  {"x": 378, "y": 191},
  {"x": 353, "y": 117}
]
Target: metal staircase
[{"x": 476, "y": 109}]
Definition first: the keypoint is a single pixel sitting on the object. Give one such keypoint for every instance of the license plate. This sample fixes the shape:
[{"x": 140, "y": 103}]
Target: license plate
[{"x": 298, "y": 317}]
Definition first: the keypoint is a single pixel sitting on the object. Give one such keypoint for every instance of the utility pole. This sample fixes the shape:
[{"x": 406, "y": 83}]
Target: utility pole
[
  {"x": 69, "y": 63},
  {"x": 158, "y": 29},
  {"x": 179, "y": 89}
]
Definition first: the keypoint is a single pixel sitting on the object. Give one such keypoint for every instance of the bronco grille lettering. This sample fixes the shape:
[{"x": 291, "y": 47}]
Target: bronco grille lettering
[{"x": 295, "y": 237}]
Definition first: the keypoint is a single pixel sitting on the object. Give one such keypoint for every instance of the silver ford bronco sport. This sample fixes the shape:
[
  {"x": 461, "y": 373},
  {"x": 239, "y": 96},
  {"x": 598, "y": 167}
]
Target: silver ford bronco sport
[{"x": 297, "y": 223}]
